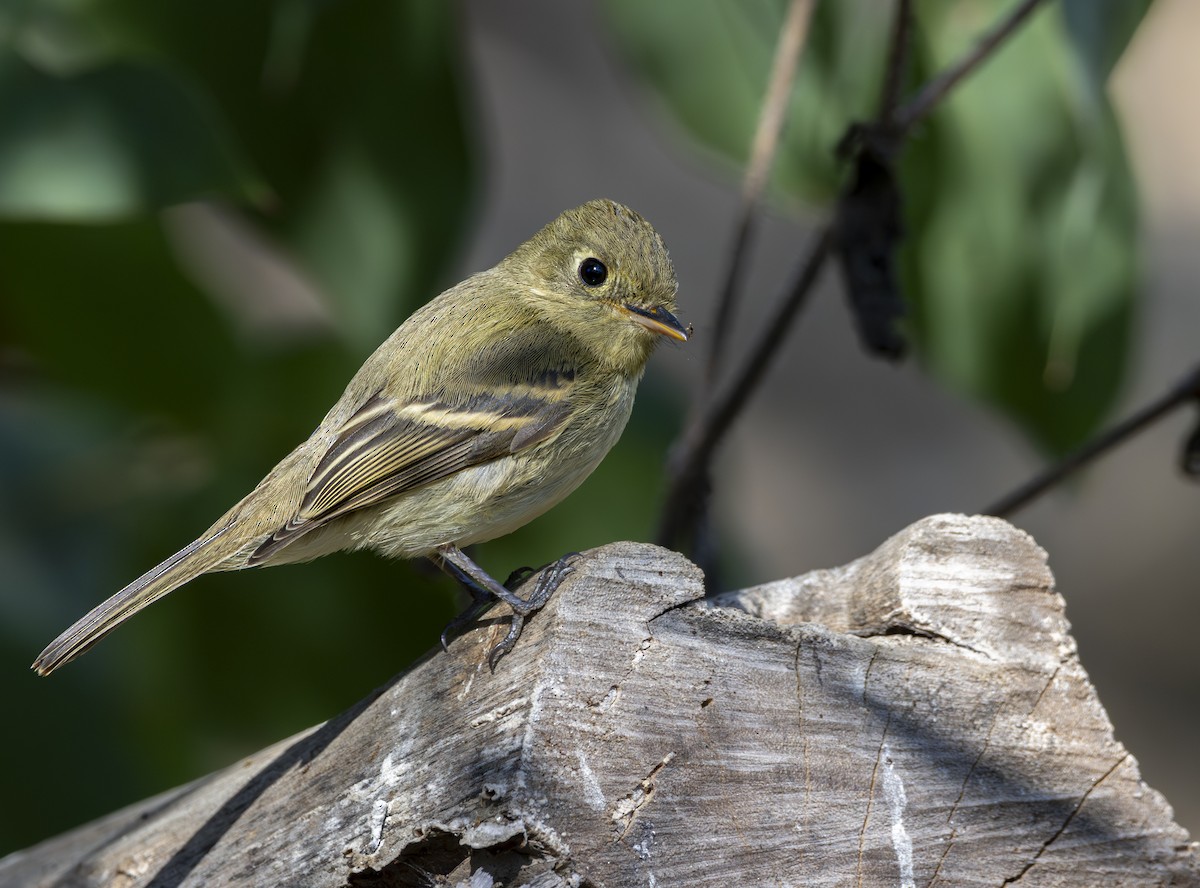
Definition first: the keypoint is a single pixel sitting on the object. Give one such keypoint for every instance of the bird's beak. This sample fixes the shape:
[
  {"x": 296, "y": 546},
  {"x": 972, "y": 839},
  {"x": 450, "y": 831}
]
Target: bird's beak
[{"x": 656, "y": 320}]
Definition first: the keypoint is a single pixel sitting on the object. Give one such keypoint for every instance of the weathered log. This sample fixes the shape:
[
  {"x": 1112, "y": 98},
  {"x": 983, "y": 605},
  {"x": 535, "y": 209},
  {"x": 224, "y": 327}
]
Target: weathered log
[{"x": 918, "y": 717}]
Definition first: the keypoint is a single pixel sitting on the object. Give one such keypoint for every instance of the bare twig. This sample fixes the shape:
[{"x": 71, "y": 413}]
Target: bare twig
[
  {"x": 897, "y": 63},
  {"x": 692, "y": 453},
  {"x": 762, "y": 156},
  {"x": 932, "y": 94},
  {"x": 1185, "y": 391},
  {"x": 685, "y": 508},
  {"x": 688, "y": 499}
]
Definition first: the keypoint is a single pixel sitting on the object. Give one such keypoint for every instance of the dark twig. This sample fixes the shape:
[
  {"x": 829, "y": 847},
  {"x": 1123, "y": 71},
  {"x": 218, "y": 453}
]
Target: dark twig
[
  {"x": 688, "y": 482},
  {"x": 758, "y": 170},
  {"x": 692, "y": 453},
  {"x": 897, "y": 62},
  {"x": 931, "y": 95},
  {"x": 1187, "y": 390},
  {"x": 688, "y": 501}
]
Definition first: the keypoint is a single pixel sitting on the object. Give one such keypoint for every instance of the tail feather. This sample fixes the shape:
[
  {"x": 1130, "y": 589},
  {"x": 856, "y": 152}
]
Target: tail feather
[{"x": 185, "y": 565}]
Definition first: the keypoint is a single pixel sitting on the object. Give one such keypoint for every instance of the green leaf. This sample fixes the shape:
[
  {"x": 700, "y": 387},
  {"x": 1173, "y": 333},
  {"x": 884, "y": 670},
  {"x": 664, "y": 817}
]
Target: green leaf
[
  {"x": 1099, "y": 30},
  {"x": 387, "y": 180},
  {"x": 107, "y": 144},
  {"x": 709, "y": 62},
  {"x": 353, "y": 113},
  {"x": 1021, "y": 264}
]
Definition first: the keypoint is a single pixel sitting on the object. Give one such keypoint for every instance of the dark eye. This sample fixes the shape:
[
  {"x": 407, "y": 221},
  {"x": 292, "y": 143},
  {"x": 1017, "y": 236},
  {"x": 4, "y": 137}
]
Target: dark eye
[{"x": 593, "y": 272}]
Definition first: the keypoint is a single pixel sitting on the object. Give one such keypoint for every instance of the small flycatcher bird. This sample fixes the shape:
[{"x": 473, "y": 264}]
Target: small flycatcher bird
[{"x": 485, "y": 408}]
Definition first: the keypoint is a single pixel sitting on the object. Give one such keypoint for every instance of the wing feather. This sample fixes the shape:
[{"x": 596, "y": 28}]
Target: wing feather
[{"x": 388, "y": 448}]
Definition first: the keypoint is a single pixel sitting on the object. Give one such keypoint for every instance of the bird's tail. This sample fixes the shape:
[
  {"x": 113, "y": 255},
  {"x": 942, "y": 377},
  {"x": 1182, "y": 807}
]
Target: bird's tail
[{"x": 186, "y": 564}]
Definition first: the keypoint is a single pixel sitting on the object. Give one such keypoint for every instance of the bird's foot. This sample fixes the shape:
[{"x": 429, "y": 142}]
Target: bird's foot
[
  {"x": 484, "y": 590},
  {"x": 547, "y": 583}
]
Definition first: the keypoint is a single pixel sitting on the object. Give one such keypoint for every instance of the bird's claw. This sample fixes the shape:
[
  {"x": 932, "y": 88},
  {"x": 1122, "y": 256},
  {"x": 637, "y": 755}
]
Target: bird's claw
[
  {"x": 507, "y": 643},
  {"x": 522, "y": 608}
]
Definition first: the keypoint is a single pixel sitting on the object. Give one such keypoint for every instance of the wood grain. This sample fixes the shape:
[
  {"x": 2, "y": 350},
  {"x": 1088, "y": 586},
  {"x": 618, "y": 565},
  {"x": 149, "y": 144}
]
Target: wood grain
[{"x": 918, "y": 717}]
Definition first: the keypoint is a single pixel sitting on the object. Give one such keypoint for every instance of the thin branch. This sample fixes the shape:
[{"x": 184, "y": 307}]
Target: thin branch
[
  {"x": 897, "y": 62},
  {"x": 932, "y": 94},
  {"x": 688, "y": 471},
  {"x": 692, "y": 453},
  {"x": 1185, "y": 391},
  {"x": 762, "y": 156}
]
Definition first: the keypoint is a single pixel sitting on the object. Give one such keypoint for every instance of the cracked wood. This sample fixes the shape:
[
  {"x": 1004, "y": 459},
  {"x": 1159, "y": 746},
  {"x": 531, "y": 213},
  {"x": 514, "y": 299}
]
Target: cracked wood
[{"x": 919, "y": 717}]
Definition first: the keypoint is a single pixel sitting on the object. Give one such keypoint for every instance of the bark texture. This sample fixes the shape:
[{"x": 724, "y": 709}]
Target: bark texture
[{"x": 918, "y": 717}]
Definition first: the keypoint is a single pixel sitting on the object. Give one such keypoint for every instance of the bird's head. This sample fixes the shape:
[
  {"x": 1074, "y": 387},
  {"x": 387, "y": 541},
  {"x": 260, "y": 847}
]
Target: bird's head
[{"x": 601, "y": 273}]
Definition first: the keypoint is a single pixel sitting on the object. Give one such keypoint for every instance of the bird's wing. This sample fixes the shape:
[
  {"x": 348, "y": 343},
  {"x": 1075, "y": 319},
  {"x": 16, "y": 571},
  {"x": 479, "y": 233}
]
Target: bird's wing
[{"x": 387, "y": 447}]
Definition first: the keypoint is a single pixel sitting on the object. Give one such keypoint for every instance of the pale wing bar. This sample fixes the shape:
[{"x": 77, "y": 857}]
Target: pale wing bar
[{"x": 385, "y": 451}]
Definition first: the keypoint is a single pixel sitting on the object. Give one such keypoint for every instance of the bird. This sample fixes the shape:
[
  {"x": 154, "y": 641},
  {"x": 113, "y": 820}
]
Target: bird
[{"x": 485, "y": 408}]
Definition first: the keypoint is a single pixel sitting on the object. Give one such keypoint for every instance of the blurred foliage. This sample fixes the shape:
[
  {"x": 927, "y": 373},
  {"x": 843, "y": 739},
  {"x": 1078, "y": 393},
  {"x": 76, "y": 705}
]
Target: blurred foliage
[
  {"x": 77, "y": 147},
  {"x": 1036, "y": 325},
  {"x": 1100, "y": 30},
  {"x": 144, "y": 390}
]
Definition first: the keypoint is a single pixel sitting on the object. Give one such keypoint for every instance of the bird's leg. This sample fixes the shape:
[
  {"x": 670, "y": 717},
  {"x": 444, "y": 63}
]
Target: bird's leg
[
  {"x": 477, "y": 581},
  {"x": 482, "y": 600}
]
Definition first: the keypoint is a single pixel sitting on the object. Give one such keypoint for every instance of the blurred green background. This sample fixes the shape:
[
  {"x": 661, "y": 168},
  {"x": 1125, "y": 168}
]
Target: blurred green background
[{"x": 211, "y": 213}]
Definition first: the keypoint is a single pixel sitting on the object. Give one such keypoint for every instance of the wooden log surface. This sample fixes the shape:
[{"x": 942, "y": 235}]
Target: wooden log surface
[{"x": 919, "y": 717}]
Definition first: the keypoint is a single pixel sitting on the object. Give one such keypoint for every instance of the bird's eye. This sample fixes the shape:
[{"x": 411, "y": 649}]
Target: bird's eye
[{"x": 593, "y": 272}]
